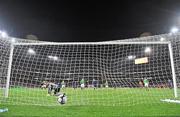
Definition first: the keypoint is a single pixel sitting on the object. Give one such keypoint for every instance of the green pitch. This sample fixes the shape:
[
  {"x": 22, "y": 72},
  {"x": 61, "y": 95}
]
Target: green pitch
[{"x": 120, "y": 102}]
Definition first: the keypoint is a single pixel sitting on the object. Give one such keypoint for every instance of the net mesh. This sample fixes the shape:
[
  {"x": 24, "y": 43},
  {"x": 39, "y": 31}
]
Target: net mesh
[
  {"x": 113, "y": 73},
  {"x": 4, "y": 61},
  {"x": 174, "y": 39}
]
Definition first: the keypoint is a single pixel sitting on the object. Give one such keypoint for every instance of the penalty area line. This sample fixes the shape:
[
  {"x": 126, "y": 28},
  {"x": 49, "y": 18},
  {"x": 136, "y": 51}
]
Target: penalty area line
[{"x": 171, "y": 101}]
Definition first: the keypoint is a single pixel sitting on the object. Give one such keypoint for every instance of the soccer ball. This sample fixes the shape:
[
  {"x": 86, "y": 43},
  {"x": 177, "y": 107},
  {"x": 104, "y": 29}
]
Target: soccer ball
[{"x": 62, "y": 99}]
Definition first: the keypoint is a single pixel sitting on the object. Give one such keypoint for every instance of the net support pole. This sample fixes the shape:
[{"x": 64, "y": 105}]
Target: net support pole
[
  {"x": 173, "y": 70},
  {"x": 9, "y": 70}
]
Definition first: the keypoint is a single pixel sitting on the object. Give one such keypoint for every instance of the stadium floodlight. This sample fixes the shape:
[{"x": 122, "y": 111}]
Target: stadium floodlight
[
  {"x": 131, "y": 57},
  {"x": 162, "y": 39},
  {"x": 50, "y": 57},
  {"x": 174, "y": 30},
  {"x": 53, "y": 58},
  {"x": 3, "y": 34},
  {"x": 147, "y": 50},
  {"x": 31, "y": 51},
  {"x": 13, "y": 40}
]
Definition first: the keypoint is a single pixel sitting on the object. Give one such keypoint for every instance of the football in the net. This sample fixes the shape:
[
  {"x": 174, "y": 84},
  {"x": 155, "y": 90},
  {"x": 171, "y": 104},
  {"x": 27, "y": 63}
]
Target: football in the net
[{"x": 62, "y": 99}]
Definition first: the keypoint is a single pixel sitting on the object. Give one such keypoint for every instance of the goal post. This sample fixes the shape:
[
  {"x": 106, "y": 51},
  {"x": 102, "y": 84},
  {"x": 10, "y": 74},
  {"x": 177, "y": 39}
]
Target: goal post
[
  {"x": 109, "y": 69},
  {"x": 173, "y": 70},
  {"x": 104, "y": 43},
  {"x": 9, "y": 70}
]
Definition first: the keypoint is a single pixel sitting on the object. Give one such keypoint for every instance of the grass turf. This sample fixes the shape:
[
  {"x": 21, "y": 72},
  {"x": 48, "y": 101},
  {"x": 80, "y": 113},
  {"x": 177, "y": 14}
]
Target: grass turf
[{"x": 120, "y": 102}]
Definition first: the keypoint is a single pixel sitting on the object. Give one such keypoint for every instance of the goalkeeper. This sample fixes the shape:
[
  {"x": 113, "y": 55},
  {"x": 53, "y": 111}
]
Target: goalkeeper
[{"x": 57, "y": 88}]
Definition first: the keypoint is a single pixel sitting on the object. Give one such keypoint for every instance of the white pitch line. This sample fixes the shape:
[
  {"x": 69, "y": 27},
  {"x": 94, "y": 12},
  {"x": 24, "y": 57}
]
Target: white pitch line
[{"x": 171, "y": 101}]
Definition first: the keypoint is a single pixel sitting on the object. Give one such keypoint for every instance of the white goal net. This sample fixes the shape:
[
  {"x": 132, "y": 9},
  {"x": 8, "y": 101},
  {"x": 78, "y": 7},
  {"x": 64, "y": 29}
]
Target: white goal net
[{"x": 128, "y": 72}]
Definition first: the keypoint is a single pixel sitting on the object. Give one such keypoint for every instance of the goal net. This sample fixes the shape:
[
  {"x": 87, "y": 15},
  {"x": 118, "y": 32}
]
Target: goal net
[{"x": 125, "y": 73}]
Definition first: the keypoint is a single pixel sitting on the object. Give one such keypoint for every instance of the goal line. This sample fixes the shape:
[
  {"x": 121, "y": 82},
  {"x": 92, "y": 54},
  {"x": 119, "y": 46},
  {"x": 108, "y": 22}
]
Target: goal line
[{"x": 171, "y": 101}]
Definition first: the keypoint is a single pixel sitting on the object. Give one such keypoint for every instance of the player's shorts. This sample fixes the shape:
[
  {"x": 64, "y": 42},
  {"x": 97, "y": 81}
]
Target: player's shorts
[
  {"x": 82, "y": 85},
  {"x": 63, "y": 86},
  {"x": 146, "y": 85},
  {"x": 106, "y": 86}
]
